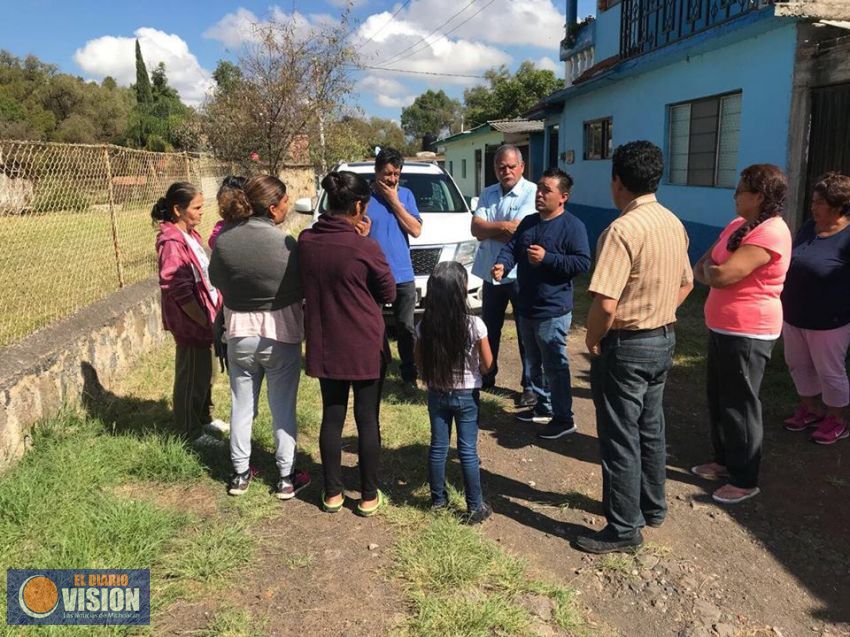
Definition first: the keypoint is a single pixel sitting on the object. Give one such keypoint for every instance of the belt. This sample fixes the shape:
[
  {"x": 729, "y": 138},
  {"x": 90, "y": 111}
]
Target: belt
[{"x": 625, "y": 335}]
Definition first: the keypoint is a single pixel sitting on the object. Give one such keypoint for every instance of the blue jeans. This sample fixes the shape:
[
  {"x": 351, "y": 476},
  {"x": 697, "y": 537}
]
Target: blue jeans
[
  {"x": 627, "y": 381},
  {"x": 545, "y": 343},
  {"x": 460, "y": 405}
]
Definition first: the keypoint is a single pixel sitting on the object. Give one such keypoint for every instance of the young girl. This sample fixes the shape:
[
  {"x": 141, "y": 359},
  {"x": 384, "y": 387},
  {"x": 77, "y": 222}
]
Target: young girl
[{"x": 452, "y": 353}]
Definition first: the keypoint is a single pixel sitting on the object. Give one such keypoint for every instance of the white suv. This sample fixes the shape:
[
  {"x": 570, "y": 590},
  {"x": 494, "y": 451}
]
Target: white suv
[{"x": 445, "y": 222}]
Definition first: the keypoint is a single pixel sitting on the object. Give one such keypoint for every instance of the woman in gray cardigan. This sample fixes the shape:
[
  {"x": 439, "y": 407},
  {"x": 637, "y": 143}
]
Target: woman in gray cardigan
[{"x": 254, "y": 265}]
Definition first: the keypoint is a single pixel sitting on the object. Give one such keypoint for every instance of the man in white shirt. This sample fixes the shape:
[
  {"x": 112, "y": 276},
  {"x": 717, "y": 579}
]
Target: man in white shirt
[{"x": 500, "y": 209}]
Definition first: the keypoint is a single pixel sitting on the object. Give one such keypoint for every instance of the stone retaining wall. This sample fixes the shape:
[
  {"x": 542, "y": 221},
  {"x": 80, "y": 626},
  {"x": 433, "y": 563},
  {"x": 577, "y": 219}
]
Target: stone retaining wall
[{"x": 41, "y": 374}]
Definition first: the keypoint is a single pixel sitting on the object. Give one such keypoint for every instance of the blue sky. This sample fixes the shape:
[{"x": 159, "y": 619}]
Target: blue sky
[{"x": 464, "y": 37}]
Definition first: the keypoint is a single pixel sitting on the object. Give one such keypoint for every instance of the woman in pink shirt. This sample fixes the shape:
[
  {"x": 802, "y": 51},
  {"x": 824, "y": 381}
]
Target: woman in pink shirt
[{"x": 745, "y": 269}]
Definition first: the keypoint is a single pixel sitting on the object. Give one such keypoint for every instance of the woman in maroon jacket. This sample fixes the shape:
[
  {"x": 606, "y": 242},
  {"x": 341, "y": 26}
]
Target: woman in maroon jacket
[
  {"x": 189, "y": 304},
  {"x": 346, "y": 278}
]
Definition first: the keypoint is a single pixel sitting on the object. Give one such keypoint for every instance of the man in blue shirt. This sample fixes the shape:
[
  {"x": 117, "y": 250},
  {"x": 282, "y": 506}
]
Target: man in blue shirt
[
  {"x": 549, "y": 248},
  {"x": 501, "y": 207},
  {"x": 392, "y": 218}
]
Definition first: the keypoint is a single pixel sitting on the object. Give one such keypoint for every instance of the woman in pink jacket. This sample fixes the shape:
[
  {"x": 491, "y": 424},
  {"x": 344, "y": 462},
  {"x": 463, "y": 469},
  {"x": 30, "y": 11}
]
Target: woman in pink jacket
[{"x": 189, "y": 304}]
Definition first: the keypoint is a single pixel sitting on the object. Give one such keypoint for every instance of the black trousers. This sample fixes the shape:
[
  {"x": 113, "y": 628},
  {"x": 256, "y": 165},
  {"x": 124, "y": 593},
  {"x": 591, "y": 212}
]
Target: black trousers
[
  {"x": 192, "y": 397},
  {"x": 627, "y": 381},
  {"x": 403, "y": 309},
  {"x": 736, "y": 367},
  {"x": 367, "y": 404},
  {"x": 494, "y": 303}
]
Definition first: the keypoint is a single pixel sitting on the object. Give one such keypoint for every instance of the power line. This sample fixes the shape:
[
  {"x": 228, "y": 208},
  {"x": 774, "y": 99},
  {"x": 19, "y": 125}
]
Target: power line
[
  {"x": 395, "y": 57},
  {"x": 381, "y": 68},
  {"x": 385, "y": 24},
  {"x": 452, "y": 30}
]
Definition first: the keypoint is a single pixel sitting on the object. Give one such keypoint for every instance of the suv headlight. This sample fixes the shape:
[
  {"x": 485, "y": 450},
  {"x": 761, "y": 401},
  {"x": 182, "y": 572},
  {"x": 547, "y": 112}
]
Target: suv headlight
[{"x": 465, "y": 252}]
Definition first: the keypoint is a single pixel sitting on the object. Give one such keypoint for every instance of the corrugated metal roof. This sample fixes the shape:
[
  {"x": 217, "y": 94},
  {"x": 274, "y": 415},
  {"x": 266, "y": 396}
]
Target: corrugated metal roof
[{"x": 516, "y": 125}]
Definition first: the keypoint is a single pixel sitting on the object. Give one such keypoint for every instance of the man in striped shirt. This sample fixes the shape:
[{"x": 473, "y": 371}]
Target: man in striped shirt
[{"x": 642, "y": 275}]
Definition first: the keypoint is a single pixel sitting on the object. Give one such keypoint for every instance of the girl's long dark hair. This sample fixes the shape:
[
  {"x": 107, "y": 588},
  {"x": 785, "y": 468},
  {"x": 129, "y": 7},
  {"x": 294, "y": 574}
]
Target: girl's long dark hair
[
  {"x": 770, "y": 181},
  {"x": 444, "y": 330}
]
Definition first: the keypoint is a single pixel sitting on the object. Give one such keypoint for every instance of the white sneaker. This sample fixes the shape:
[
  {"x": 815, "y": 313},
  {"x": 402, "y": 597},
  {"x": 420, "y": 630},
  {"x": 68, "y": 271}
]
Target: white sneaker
[
  {"x": 207, "y": 441},
  {"x": 217, "y": 426}
]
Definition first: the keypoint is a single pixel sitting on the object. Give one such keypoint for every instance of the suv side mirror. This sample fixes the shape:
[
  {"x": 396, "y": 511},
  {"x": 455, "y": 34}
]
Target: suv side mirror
[
  {"x": 304, "y": 206},
  {"x": 473, "y": 204}
]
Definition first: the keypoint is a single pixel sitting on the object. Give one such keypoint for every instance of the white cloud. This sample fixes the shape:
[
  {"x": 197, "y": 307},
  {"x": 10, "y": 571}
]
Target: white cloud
[
  {"x": 399, "y": 45},
  {"x": 394, "y": 102},
  {"x": 537, "y": 23},
  {"x": 548, "y": 64},
  {"x": 115, "y": 56},
  {"x": 385, "y": 91},
  {"x": 244, "y": 27},
  {"x": 234, "y": 29},
  {"x": 375, "y": 84}
]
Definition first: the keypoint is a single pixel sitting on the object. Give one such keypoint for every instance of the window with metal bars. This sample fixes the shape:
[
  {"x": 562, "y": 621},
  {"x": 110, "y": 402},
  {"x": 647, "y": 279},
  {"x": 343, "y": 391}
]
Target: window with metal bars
[
  {"x": 703, "y": 141},
  {"x": 598, "y": 138}
]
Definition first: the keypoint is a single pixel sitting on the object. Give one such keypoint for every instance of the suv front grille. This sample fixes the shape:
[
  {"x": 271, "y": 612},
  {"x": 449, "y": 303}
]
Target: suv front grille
[{"x": 424, "y": 260}]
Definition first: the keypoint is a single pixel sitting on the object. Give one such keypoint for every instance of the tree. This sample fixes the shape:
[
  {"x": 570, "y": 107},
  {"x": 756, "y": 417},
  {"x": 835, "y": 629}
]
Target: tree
[
  {"x": 159, "y": 85},
  {"x": 227, "y": 75},
  {"x": 352, "y": 137},
  {"x": 155, "y": 123},
  {"x": 508, "y": 96},
  {"x": 431, "y": 114},
  {"x": 144, "y": 94},
  {"x": 39, "y": 103},
  {"x": 289, "y": 80}
]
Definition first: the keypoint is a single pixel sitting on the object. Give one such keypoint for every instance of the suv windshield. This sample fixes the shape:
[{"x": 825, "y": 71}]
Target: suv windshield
[{"x": 433, "y": 192}]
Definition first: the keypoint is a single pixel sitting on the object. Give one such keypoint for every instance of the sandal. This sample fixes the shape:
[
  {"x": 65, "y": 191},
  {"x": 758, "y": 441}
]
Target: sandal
[
  {"x": 372, "y": 510},
  {"x": 332, "y": 508}
]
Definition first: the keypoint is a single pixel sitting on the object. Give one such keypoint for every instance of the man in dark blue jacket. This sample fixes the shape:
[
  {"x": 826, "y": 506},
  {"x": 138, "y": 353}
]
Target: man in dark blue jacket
[{"x": 549, "y": 248}]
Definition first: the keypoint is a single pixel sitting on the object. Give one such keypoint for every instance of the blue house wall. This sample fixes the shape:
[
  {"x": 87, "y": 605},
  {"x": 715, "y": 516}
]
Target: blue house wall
[
  {"x": 760, "y": 65},
  {"x": 607, "y": 33},
  {"x": 536, "y": 154}
]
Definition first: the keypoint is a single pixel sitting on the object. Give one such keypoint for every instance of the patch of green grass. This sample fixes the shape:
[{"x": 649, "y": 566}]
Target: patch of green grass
[
  {"x": 235, "y": 622},
  {"x": 462, "y": 584},
  {"x": 64, "y": 506},
  {"x": 297, "y": 560},
  {"x": 621, "y": 564},
  {"x": 474, "y": 614},
  {"x": 166, "y": 459},
  {"x": 445, "y": 556},
  {"x": 209, "y": 553}
]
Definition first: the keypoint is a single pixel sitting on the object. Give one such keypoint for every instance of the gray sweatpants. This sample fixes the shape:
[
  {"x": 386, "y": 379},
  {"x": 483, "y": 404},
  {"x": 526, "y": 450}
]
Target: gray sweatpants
[{"x": 250, "y": 359}]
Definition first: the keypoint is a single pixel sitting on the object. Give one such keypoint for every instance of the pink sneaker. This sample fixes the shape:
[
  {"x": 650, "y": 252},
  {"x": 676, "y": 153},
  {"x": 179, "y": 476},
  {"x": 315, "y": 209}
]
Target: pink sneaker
[
  {"x": 802, "y": 419},
  {"x": 831, "y": 430}
]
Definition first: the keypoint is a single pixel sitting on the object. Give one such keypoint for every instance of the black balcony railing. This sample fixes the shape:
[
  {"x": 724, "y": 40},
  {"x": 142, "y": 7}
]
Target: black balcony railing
[{"x": 647, "y": 25}]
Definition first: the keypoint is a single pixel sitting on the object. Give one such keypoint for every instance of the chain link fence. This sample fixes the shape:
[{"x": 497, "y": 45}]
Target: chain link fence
[{"x": 75, "y": 224}]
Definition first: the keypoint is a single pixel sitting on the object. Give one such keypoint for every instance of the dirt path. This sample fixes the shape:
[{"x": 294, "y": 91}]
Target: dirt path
[
  {"x": 777, "y": 565},
  {"x": 313, "y": 574}
]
